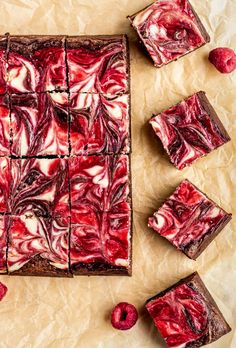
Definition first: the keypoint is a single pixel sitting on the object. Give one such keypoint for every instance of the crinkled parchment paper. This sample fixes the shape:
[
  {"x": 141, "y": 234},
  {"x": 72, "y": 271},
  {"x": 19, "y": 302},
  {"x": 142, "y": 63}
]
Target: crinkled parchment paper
[{"x": 74, "y": 313}]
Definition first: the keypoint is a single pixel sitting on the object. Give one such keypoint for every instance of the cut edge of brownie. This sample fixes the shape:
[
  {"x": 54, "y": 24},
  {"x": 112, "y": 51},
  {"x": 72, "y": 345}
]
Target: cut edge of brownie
[
  {"x": 207, "y": 106},
  {"x": 38, "y": 266},
  {"x": 26, "y": 44},
  {"x": 210, "y": 235},
  {"x": 201, "y": 27},
  {"x": 216, "y": 316},
  {"x": 99, "y": 268}
]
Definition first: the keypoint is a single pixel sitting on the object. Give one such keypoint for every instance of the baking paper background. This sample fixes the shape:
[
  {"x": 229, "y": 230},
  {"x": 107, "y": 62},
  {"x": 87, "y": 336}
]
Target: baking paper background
[{"x": 74, "y": 313}]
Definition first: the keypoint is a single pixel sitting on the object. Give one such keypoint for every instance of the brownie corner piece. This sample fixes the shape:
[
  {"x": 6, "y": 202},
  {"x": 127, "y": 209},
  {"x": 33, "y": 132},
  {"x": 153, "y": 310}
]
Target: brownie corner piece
[
  {"x": 106, "y": 67},
  {"x": 186, "y": 315},
  {"x": 100, "y": 242},
  {"x": 189, "y": 220},
  {"x": 38, "y": 246},
  {"x": 169, "y": 30},
  {"x": 189, "y": 130},
  {"x": 40, "y": 61}
]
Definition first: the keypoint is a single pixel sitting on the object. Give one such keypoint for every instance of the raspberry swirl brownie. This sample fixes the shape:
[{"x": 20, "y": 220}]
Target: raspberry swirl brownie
[{"x": 169, "y": 29}]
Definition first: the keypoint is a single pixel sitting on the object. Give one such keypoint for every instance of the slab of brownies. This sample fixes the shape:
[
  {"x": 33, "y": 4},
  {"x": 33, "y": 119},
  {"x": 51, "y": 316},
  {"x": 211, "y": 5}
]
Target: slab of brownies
[{"x": 65, "y": 194}]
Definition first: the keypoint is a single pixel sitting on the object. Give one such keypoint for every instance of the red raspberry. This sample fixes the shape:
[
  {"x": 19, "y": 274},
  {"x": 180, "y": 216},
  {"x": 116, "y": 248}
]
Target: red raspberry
[
  {"x": 224, "y": 59},
  {"x": 124, "y": 316},
  {"x": 3, "y": 290}
]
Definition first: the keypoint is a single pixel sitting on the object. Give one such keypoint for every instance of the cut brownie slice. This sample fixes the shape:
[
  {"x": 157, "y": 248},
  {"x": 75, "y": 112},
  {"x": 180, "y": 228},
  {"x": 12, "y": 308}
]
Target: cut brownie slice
[
  {"x": 100, "y": 242},
  {"x": 186, "y": 314},
  {"x": 3, "y": 63},
  {"x": 99, "y": 182},
  {"x": 189, "y": 130},
  {"x": 169, "y": 30},
  {"x": 99, "y": 124},
  {"x": 40, "y": 186},
  {"x": 36, "y": 64},
  {"x": 189, "y": 220},
  {"x": 39, "y": 123},
  {"x": 98, "y": 64},
  {"x": 5, "y": 136},
  {"x": 5, "y": 182},
  {"x": 3, "y": 243},
  {"x": 38, "y": 246}
]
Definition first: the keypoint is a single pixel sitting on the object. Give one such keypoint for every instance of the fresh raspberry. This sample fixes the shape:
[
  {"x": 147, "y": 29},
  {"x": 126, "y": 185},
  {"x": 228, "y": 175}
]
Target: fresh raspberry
[
  {"x": 3, "y": 290},
  {"x": 224, "y": 59},
  {"x": 124, "y": 316}
]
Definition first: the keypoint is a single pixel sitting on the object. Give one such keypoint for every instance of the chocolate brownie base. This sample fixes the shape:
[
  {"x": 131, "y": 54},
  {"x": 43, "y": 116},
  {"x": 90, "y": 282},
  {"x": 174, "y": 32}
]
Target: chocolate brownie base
[
  {"x": 212, "y": 113},
  {"x": 98, "y": 268},
  {"x": 27, "y": 45},
  {"x": 193, "y": 250},
  {"x": 40, "y": 267}
]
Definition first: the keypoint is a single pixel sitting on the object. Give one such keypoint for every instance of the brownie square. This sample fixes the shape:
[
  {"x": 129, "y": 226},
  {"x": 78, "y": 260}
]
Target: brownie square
[
  {"x": 3, "y": 63},
  {"x": 36, "y": 64},
  {"x": 38, "y": 246},
  {"x": 189, "y": 130},
  {"x": 189, "y": 220},
  {"x": 40, "y": 186},
  {"x": 100, "y": 242},
  {"x": 169, "y": 30},
  {"x": 99, "y": 124},
  {"x": 98, "y": 64},
  {"x": 99, "y": 182},
  {"x": 5, "y": 181},
  {"x": 5, "y": 136},
  {"x": 3, "y": 243},
  {"x": 186, "y": 314},
  {"x": 40, "y": 124}
]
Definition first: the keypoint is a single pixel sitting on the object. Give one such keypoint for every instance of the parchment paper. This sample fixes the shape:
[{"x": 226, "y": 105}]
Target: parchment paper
[{"x": 74, "y": 313}]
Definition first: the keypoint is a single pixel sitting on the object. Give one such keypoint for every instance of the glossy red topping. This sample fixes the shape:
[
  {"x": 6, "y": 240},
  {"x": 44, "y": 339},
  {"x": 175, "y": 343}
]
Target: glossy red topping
[
  {"x": 102, "y": 237},
  {"x": 39, "y": 124},
  {"x": 224, "y": 59},
  {"x": 4, "y": 126},
  {"x": 188, "y": 131},
  {"x": 124, "y": 316},
  {"x": 5, "y": 183},
  {"x": 40, "y": 186},
  {"x": 36, "y": 64},
  {"x": 98, "y": 64},
  {"x": 3, "y": 243},
  {"x": 30, "y": 235},
  {"x": 99, "y": 124},
  {"x": 187, "y": 218},
  {"x": 168, "y": 29},
  {"x": 3, "y": 290},
  {"x": 181, "y": 316},
  {"x": 99, "y": 182}
]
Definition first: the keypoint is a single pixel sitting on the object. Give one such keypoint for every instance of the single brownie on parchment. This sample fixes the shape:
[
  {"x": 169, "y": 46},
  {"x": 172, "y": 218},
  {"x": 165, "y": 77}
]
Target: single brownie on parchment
[
  {"x": 189, "y": 130},
  {"x": 189, "y": 220},
  {"x": 186, "y": 314},
  {"x": 169, "y": 30}
]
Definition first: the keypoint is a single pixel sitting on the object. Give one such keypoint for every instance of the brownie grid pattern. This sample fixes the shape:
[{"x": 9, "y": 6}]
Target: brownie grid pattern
[{"x": 64, "y": 155}]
